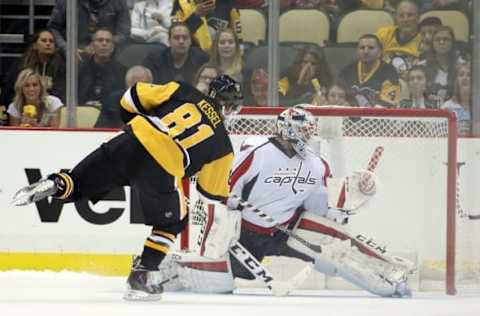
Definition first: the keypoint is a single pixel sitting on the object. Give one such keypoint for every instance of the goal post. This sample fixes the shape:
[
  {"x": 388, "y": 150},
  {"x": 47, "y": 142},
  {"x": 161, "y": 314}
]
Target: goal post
[{"x": 417, "y": 175}]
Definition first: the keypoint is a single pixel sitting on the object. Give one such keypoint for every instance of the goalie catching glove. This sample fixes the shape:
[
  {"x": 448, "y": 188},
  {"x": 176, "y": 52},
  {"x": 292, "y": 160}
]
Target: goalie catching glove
[
  {"x": 351, "y": 192},
  {"x": 219, "y": 231}
]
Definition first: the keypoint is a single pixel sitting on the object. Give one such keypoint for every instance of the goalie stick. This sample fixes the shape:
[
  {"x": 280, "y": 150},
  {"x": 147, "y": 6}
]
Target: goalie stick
[
  {"x": 372, "y": 164},
  {"x": 366, "y": 242}
]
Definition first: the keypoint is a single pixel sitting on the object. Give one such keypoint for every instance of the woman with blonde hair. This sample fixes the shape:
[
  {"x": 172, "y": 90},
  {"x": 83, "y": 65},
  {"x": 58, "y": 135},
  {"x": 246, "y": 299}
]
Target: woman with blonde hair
[
  {"x": 227, "y": 54},
  {"x": 32, "y": 106}
]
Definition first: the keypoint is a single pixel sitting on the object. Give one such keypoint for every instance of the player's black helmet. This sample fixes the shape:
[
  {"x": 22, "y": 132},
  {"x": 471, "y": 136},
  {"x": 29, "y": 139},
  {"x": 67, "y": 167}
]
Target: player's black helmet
[{"x": 227, "y": 92}]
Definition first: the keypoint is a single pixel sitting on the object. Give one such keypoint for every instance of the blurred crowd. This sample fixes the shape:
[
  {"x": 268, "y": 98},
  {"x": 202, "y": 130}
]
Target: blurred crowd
[{"x": 412, "y": 63}]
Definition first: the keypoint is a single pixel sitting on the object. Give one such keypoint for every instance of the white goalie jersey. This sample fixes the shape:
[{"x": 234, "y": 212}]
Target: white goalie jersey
[{"x": 278, "y": 191}]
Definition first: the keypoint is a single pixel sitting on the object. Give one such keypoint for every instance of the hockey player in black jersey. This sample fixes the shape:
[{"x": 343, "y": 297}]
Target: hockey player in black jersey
[{"x": 173, "y": 131}]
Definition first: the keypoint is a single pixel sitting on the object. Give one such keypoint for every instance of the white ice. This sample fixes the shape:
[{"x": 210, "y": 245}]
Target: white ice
[{"x": 71, "y": 294}]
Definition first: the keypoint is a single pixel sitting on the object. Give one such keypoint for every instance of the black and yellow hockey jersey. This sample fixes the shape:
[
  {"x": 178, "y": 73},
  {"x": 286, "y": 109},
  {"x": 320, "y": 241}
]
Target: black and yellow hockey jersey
[
  {"x": 380, "y": 86},
  {"x": 182, "y": 130}
]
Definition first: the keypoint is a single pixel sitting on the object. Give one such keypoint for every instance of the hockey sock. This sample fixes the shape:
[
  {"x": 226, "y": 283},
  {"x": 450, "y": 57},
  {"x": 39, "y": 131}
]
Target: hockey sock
[
  {"x": 151, "y": 258},
  {"x": 156, "y": 247}
]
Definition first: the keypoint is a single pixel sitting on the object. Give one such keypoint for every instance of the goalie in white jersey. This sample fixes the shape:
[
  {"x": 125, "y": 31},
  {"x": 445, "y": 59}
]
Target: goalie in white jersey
[{"x": 283, "y": 178}]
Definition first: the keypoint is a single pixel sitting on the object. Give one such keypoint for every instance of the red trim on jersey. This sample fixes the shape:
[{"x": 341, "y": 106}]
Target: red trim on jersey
[
  {"x": 207, "y": 266},
  {"x": 241, "y": 169},
  {"x": 267, "y": 230},
  {"x": 330, "y": 231}
]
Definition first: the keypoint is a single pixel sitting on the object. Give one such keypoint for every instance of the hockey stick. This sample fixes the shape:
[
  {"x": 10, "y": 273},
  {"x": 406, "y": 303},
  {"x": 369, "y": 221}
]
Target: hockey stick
[
  {"x": 267, "y": 218},
  {"x": 372, "y": 164}
]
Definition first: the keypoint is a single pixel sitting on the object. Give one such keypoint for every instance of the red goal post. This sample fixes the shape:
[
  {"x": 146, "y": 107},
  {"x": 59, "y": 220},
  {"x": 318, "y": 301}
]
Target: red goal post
[{"x": 346, "y": 136}]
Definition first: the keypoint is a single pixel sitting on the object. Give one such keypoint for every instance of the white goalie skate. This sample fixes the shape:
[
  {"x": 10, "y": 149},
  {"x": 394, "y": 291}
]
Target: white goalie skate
[{"x": 34, "y": 192}]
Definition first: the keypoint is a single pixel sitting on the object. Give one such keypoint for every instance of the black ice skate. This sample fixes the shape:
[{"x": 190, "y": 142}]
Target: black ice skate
[
  {"x": 35, "y": 192},
  {"x": 143, "y": 285}
]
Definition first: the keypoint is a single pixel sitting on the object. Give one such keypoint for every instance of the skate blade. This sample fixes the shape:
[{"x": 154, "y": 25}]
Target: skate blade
[
  {"x": 21, "y": 198},
  {"x": 33, "y": 193},
  {"x": 134, "y": 295}
]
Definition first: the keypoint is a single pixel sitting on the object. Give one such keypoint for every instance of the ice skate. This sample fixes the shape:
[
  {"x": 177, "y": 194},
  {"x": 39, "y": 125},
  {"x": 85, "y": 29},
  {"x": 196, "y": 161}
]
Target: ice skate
[
  {"x": 143, "y": 285},
  {"x": 34, "y": 192}
]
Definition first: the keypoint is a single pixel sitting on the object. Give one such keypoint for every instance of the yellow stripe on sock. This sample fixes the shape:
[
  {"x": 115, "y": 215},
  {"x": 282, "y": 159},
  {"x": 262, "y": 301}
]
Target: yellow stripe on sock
[{"x": 157, "y": 247}]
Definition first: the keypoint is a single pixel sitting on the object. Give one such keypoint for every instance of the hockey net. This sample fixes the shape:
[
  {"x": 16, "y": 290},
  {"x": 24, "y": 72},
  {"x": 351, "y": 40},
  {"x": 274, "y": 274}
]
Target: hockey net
[{"x": 417, "y": 211}]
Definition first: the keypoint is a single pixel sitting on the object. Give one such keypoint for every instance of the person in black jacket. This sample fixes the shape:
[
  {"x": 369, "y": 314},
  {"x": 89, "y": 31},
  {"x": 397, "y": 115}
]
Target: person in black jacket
[
  {"x": 180, "y": 61},
  {"x": 99, "y": 75}
]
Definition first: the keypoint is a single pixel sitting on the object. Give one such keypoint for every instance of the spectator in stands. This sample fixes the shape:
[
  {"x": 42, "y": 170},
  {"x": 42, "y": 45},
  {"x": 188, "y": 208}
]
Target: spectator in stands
[
  {"x": 309, "y": 75},
  {"x": 417, "y": 87},
  {"x": 338, "y": 94},
  {"x": 427, "y": 27},
  {"x": 256, "y": 92},
  {"x": 180, "y": 61},
  {"x": 401, "y": 42},
  {"x": 43, "y": 110},
  {"x": 92, "y": 14},
  {"x": 206, "y": 17},
  {"x": 43, "y": 57},
  {"x": 110, "y": 111},
  {"x": 461, "y": 102},
  {"x": 151, "y": 20},
  {"x": 441, "y": 64},
  {"x": 205, "y": 74},
  {"x": 99, "y": 75},
  {"x": 227, "y": 55},
  {"x": 372, "y": 81}
]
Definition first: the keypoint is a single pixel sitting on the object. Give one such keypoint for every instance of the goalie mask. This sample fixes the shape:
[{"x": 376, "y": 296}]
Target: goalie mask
[
  {"x": 227, "y": 93},
  {"x": 296, "y": 125}
]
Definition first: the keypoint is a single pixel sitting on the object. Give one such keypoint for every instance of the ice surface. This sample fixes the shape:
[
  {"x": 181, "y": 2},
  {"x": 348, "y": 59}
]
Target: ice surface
[{"x": 71, "y": 294}]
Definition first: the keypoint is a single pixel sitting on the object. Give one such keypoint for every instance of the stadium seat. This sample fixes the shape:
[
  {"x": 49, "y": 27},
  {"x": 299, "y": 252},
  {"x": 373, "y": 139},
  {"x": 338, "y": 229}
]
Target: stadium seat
[
  {"x": 254, "y": 26},
  {"x": 457, "y": 20},
  {"x": 360, "y": 22},
  {"x": 298, "y": 25},
  {"x": 86, "y": 116},
  {"x": 339, "y": 56},
  {"x": 134, "y": 54}
]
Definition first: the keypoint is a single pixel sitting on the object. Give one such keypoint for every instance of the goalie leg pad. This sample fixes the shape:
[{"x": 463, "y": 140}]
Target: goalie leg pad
[
  {"x": 340, "y": 257},
  {"x": 205, "y": 275},
  {"x": 371, "y": 274},
  {"x": 219, "y": 231}
]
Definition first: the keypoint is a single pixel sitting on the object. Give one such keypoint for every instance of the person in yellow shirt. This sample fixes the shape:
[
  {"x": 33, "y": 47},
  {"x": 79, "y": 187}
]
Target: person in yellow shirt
[{"x": 401, "y": 42}]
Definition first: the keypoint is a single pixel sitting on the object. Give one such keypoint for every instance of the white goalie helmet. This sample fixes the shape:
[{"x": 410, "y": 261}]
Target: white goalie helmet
[{"x": 296, "y": 125}]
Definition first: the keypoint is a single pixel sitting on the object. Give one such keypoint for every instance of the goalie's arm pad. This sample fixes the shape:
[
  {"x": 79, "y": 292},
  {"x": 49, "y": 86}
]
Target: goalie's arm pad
[{"x": 351, "y": 192}]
